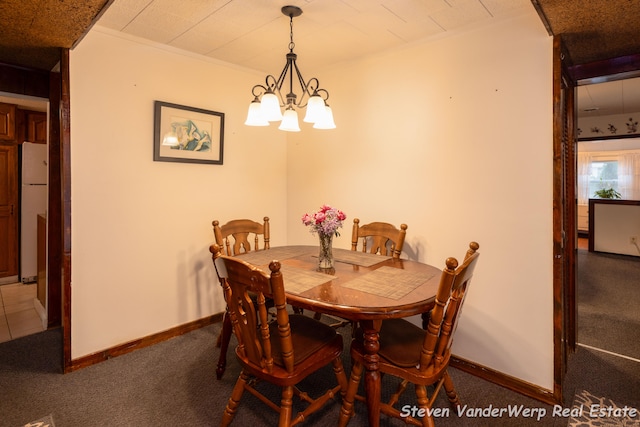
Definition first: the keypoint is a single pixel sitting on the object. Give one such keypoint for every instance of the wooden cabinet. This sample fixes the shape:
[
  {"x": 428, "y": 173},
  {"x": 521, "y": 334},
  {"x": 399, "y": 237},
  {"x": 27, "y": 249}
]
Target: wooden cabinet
[
  {"x": 18, "y": 125},
  {"x": 36, "y": 127},
  {"x": 9, "y": 215},
  {"x": 583, "y": 218},
  {"x": 7, "y": 122}
]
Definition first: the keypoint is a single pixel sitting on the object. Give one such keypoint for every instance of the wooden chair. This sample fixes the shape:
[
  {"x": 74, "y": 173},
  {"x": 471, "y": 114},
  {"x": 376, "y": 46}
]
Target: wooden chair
[
  {"x": 416, "y": 355},
  {"x": 283, "y": 352},
  {"x": 240, "y": 230},
  {"x": 378, "y": 238},
  {"x": 233, "y": 237}
]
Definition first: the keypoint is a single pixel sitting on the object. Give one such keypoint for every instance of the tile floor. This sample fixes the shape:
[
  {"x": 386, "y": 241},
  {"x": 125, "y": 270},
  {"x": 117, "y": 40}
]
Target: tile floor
[{"x": 18, "y": 316}]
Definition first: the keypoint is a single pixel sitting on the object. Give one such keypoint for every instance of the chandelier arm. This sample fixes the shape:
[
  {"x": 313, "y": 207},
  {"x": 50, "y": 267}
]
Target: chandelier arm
[
  {"x": 312, "y": 86},
  {"x": 257, "y": 94},
  {"x": 320, "y": 92},
  {"x": 304, "y": 86},
  {"x": 278, "y": 83},
  {"x": 271, "y": 82}
]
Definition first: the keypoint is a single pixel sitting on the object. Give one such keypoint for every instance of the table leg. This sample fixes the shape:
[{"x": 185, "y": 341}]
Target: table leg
[{"x": 372, "y": 374}]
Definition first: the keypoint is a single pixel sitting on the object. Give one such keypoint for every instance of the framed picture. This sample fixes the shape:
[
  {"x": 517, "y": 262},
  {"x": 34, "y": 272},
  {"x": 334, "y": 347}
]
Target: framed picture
[{"x": 187, "y": 134}]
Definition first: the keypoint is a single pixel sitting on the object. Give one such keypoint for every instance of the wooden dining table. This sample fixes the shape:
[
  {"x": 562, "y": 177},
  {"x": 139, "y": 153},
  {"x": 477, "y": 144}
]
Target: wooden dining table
[{"x": 362, "y": 287}]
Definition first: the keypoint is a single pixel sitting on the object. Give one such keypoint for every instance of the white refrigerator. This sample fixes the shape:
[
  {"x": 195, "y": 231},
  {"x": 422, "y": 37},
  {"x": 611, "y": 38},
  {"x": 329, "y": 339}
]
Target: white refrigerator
[{"x": 34, "y": 197}]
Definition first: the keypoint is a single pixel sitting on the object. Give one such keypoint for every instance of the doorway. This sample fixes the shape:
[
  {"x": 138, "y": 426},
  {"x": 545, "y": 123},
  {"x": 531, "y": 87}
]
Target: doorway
[
  {"x": 607, "y": 112},
  {"x": 23, "y": 290}
]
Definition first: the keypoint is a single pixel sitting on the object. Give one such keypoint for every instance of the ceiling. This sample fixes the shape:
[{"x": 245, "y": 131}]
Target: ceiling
[
  {"x": 605, "y": 99},
  {"x": 255, "y": 34}
]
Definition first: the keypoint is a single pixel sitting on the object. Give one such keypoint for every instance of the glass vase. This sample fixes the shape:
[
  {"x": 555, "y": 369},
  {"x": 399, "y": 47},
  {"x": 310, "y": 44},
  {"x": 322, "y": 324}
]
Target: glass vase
[{"x": 325, "y": 258}]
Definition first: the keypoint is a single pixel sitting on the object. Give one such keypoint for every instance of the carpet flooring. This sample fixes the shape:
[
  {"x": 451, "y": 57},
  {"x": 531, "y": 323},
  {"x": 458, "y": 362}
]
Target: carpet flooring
[
  {"x": 589, "y": 410},
  {"x": 173, "y": 384},
  {"x": 609, "y": 302}
]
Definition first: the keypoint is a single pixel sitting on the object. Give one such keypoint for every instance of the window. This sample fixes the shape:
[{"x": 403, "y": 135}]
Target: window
[
  {"x": 619, "y": 170},
  {"x": 603, "y": 174}
]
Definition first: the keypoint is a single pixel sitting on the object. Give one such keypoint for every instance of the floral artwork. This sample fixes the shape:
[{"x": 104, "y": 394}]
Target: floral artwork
[
  {"x": 190, "y": 137},
  {"x": 326, "y": 221},
  {"x": 187, "y": 134}
]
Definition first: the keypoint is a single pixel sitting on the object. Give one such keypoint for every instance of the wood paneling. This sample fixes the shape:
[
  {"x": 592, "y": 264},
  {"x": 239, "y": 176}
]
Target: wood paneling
[{"x": 7, "y": 122}]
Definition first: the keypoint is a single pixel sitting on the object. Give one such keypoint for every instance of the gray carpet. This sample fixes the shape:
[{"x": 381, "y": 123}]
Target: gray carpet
[
  {"x": 589, "y": 410},
  {"x": 609, "y": 302},
  {"x": 173, "y": 383}
]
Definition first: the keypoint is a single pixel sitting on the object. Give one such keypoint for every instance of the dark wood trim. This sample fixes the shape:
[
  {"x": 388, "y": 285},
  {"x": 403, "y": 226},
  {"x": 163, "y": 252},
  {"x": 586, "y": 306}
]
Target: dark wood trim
[
  {"x": 571, "y": 215},
  {"x": 24, "y": 81},
  {"x": 602, "y": 138},
  {"x": 65, "y": 220},
  {"x": 558, "y": 221},
  {"x": 140, "y": 343},
  {"x": 591, "y": 222},
  {"x": 54, "y": 213},
  {"x": 607, "y": 70},
  {"x": 506, "y": 381}
]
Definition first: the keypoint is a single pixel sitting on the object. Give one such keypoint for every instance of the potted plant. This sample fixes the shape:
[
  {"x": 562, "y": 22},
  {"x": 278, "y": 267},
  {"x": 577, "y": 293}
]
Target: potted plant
[{"x": 607, "y": 193}]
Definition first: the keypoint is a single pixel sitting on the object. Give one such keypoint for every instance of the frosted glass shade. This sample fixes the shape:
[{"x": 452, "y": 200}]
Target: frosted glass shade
[
  {"x": 290, "y": 121},
  {"x": 315, "y": 109},
  {"x": 255, "y": 116},
  {"x": 326, "y": 121},
  {"x": 271, "y": 107}
]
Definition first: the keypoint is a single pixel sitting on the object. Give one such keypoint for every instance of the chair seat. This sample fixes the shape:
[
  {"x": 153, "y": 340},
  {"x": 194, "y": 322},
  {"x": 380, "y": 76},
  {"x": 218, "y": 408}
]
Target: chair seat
[
  {"x": 401, "y": 342},
  {"x": 310, "y": 336},
  {"x": 314, "y": 344}
]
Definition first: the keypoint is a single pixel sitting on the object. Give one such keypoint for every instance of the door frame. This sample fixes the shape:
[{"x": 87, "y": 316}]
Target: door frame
[
  {"x": 564, "y": 198},
  {"x": 564, "y": 214}
]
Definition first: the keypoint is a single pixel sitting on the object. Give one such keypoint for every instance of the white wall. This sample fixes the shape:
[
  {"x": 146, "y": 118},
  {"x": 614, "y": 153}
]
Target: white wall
[
  {"x": 454, "y": 138},
  {"x": 141, "y": 229},
  {"x": 446, "y": 135},
  {"x": 615, "y": 227}
]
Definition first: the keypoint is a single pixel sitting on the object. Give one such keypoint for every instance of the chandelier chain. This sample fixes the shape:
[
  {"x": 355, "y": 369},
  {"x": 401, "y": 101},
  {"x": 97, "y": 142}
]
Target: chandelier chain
[{"x": 291, "y": 43}]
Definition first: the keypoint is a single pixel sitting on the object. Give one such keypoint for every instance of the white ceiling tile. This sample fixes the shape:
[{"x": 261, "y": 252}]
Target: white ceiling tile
[
  {"x": 255, "y": 33},
  {"x": 502, "y": 7},
  {"x": 460, "y": 13},
  {"x": 121, "y": 13}
]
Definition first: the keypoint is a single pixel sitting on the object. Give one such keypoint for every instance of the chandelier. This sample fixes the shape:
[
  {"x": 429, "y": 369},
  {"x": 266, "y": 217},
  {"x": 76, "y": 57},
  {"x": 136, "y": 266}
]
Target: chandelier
[{"x": 268, "y": 100}]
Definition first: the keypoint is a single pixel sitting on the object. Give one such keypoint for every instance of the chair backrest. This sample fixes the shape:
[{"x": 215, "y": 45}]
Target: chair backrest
[
  {"x": 379, "y": 238},
  {"x": 443, "y": 319},
  {"x": 243, "y": 284},
  {"x": 233, "y": 237}
]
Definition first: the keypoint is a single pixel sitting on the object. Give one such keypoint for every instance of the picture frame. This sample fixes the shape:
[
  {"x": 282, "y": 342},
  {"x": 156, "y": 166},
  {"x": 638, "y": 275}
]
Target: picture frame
[{"x": 187, "y": 134}]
